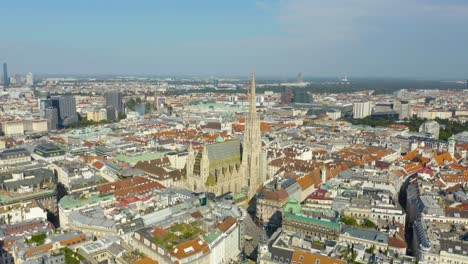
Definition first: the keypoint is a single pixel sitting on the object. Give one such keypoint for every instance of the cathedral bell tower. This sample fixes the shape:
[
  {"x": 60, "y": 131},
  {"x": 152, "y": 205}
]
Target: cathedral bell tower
[{"x": 252, "y": 146}]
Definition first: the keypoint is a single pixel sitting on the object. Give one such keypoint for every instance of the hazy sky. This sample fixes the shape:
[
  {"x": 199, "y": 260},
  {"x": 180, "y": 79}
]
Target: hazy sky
[{"x": 367, "y": 38}]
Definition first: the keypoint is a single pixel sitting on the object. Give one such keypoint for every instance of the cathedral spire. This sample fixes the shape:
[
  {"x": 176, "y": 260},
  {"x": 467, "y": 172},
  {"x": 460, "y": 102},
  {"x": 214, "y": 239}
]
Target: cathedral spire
[
  {"x": 253, "y": 102},
  {"x": 252, "y": 146}
]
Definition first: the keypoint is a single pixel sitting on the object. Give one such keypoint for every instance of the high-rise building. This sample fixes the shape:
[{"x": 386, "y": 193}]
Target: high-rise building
[
  {"x": 403, "y": 109},
  {"x": 51, "y": 114},
  {"x": 286, "y": 97},
  {"x": 44, "y": 102},
  {"x": 66, "y": 109},
  {"x": 29, "y": 79},
  {"x": 43, "y": 105},
  {"x": 114, "y": 100},
  {"x": 362, "y": 109},
  {"x": 451, "y": 145},
  {"x": 302, "y": 97},
  {"x": 252, "y": 146},
  {"x": 111, "y": 113},
  {"x": 159, "y": 101},
  {"x": 6, "y": 79}
]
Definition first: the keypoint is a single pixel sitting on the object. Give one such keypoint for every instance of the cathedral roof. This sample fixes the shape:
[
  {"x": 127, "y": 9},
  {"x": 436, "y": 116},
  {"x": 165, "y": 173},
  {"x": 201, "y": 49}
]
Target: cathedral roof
[{"x": 224, "y": 150}]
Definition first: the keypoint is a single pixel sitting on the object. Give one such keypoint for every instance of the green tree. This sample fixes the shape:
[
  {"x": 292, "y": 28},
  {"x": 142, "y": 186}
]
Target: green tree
[
  {"x": 122, "y": 116},
  {"x": 38, "y": 239},
  {"x": 369, "y": 224},
  {"x": 349, "y": 221},
  {"x": 148, "y": 107},
  {"x": 131, "y": 104},
  {"x": 372, "y": 249}
]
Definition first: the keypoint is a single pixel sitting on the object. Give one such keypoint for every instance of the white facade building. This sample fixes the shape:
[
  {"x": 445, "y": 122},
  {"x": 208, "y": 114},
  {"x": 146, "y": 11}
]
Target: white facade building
[{"x": 362, "y": 109}]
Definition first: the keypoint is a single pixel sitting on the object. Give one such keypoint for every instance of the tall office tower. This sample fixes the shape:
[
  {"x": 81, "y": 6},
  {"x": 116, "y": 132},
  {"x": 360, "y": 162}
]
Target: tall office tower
[
  {"x": 43, "y": 105},
  {"x": 66, "y": 109},
  {"x": 403, "y": 109},
  {"x": 159, "y": 101},
  {"x": 302, "y": 97},
  {"x": 362, "y": 109},
  {"x": 252, "y": 146},
  {"x": 6, "y": 79},
  {"x": 114, "y": 100},
  {"x": 451, "y": 145},
  {"x": 111, "y": 113},
  {"x": 466, "y": 84},
  {"x": 286, "y": 97},
  {"x": 216, "y": 83},
  {"x": 30, "y": 79},
  {"x": 43, "y": 102},
  {"x": 51, "y": 114}
]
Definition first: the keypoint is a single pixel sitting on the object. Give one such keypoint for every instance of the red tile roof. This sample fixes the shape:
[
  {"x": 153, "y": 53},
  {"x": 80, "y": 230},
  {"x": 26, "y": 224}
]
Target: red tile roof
[
  {"x": 226, "y": 224},
  {"x": 190, "y": 248}
]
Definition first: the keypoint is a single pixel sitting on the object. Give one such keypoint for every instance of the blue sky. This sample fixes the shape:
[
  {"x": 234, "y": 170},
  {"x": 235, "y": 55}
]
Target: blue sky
[{"x": 367, "y": 38}]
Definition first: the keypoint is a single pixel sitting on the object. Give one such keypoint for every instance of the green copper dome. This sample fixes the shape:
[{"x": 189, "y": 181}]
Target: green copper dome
[
  {"x": 293, "y": 206},
  {"x": 219, "y": 139}
]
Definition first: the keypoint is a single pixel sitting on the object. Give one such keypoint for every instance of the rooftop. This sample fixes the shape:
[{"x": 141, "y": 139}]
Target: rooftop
[{"x": 70, "y": 201}]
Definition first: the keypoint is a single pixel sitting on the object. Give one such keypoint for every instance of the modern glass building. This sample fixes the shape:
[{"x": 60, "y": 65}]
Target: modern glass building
[
  {"x": 114, "y": 101},
  {"x": 51, "y": 114},
  {"x": 6, "y": 80},
  {"x": 66, "y": 109}
]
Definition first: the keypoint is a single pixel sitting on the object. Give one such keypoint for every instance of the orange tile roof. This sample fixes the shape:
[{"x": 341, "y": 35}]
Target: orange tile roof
[
  {"x": 159, "y": 232},
  {"x": 410, "y": 155},
  {"x": 302, "y": 257},
  {"x": 400, "y": 173},
  {"x": 98, "y": 165},
  {"x": 130, "y": 186},
  {"x": 454, "y": 178},
  {"x": 412, "y": 168},
  {"x": 440, "y": 159},
  {"x": 226, "y": 224},
  {"x": 305, "y": 182},
  {"x": 190, "y": 248},
  {"x": 146, "y": 260},
  {"x": 39, "y": 249},
  {"x": 73, "y": 240}
]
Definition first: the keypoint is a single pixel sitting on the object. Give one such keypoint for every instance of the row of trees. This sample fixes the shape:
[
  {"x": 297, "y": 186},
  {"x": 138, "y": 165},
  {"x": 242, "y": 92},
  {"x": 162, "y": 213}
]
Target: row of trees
[
  {"x": 448, "y": 127},
  {"x": 353, "y": 222},
  {"x": 84, "y": 122},
  {"x": 379, "y": 86}
]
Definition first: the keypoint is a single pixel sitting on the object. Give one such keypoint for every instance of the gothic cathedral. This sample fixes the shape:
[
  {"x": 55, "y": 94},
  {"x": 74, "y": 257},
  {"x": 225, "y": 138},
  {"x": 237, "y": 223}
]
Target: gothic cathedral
[{"x": 229, "y": 166}]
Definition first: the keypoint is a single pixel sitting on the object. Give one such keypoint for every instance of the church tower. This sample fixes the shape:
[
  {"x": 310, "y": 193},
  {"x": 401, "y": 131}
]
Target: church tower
[
  {"x": 252, "y": 146},
  {"x": 451, "y": 145}
]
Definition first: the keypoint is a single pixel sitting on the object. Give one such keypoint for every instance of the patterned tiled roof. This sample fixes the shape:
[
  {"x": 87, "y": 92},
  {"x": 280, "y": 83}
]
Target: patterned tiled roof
[{"x": 224, "y": 150}]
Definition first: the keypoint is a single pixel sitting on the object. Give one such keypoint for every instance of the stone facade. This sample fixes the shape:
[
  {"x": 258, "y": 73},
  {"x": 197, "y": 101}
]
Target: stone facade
[
  {"x": 226, "y": 167},
  {"x": 216, "y": 168}
]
